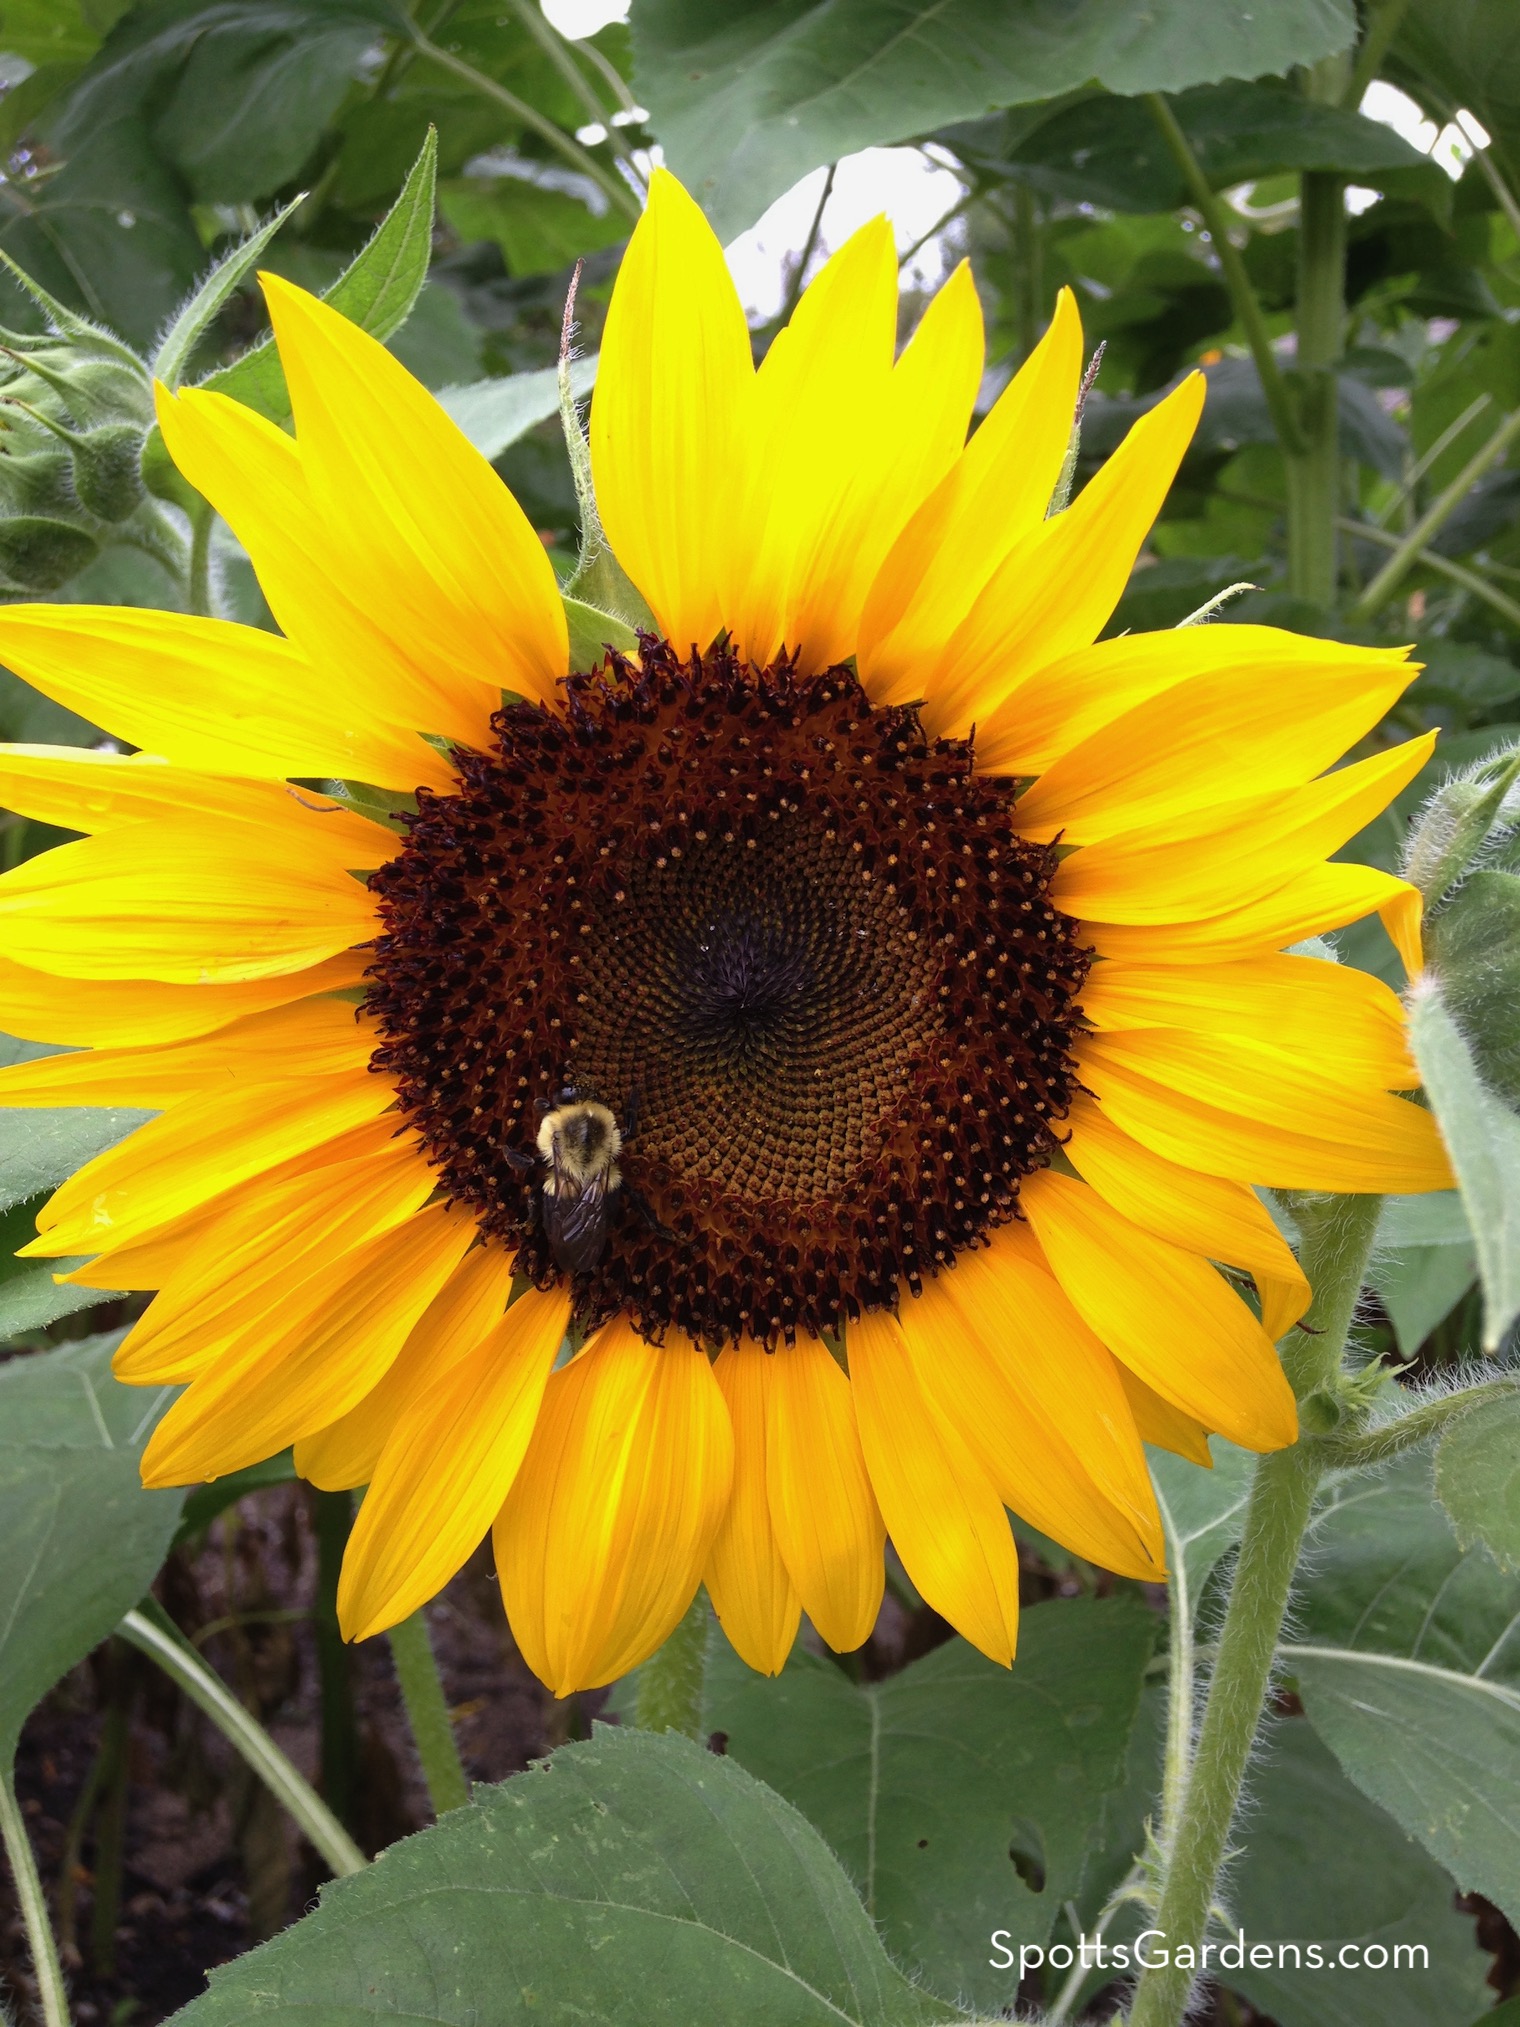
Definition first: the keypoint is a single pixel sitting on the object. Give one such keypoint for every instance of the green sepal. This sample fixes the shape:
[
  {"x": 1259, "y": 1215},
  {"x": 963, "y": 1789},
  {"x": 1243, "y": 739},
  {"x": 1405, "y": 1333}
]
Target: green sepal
[
  {"x": 1450, "y": 832},
  {"x": 36, "y": 481},
  {"x": 1473, "y": 946},
  {"x": 592, "y": 632},
  {"x": 185, "y": 333}
]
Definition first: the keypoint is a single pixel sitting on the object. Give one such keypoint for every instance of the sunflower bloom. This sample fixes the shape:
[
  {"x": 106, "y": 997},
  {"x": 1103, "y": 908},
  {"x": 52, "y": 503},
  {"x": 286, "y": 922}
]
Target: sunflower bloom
[{"x": 854, "y": 1024}]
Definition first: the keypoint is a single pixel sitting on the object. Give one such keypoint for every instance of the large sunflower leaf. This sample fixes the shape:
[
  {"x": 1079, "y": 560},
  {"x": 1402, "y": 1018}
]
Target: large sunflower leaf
[
  {"x": 1478, "y": 1478},
  {"x": 961, "y": 1798},
  {"x": 1406, "y": 1651},
  {"x": 746, "y": 98},
  {"x": 1110, "y": 151},
  {"x": 83, "y": 1540},
  {"x": 634, "y": 1881},
  {"x": 39, "y": 1149},
  {"x": 1464, "y": 53}
]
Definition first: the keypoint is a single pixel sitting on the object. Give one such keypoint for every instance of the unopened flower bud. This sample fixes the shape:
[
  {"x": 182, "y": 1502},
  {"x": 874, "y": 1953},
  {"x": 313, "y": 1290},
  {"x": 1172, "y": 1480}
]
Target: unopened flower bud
[{"x": 39, "y": 553}]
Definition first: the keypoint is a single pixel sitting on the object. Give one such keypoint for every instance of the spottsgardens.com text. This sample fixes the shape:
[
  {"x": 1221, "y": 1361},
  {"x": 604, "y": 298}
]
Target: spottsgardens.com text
[{"x": 1150, "y": 1951}]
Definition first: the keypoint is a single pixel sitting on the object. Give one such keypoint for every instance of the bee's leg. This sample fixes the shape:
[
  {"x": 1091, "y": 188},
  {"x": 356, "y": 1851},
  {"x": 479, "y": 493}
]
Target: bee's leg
[
  {"x": 642, "y": 1209},
  {"x": 629, "y": 1124},
  {"x": 515, "y": 1158}
]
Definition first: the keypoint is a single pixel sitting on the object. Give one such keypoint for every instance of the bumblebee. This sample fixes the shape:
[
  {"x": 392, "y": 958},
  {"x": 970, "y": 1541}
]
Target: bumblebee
[{"x": 579, "y": 1139}]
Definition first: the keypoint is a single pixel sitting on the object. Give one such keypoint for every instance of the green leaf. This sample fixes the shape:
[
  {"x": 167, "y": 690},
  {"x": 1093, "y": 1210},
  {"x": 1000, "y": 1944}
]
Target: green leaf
[
  {"x": 51, "y": 31},
  {"x": 173, "y": 355},
  {"x": 539, "y": 231},
  {"x": 1461, "y": 53},
  {"x": 1478, "y": 1479},
  {"x": 1320, "y": 1864},
  {"x": 960, "y": 1797},
  {"x": 1406, "y": 1653},
  {"x": 1202, "y": 1511},
  {"x": 109, "y": 232},
  {"x": 83, "y": 1540},
  {"x": 256, "y": 91},
  {"x": 1110, "y": 151},
  {"x": 1482, "y": 1136},
  {"x": 495, "y": 413},
  {"x": 1423, "y": 1263},
  {"x": 40, "y": 1149},
  {"x": 375, "y": 291},
  {"x": 634, "y": 1881},
  {"x": 29, "y": 1296},
  {"x": 747, "y": 98},
  {"x": 593, "y": 631}
]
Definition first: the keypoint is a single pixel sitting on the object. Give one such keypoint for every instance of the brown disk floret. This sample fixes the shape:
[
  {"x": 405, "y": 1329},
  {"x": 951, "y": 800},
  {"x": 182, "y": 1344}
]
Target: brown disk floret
[{"x": 796, "y": 946}]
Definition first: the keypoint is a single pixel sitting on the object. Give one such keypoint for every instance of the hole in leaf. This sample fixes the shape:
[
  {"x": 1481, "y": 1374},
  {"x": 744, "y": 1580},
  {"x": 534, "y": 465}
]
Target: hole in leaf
[{"x": 1026, "y": 1847}]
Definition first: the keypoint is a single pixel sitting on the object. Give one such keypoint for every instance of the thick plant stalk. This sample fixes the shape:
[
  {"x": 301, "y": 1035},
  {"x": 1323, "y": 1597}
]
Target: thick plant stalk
[
  {"x": 428, "y": 1714},
  {"x": 671, "y": 1681},
  {"x": 1338, "y": 1234},
  {"x": 51, "y": 1995},
  {"x": 179, "y": 1659},
  {"x": 1314, "y": 477}
]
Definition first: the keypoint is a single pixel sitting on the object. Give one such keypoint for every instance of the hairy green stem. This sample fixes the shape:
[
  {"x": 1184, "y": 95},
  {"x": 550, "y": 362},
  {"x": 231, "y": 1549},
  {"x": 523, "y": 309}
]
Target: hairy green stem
[
  {"x": 558, "y": 51},
  {"x": 1243, "y": 298},
  {"x": 428, "y": 1714},
  {"x": 51, "y": 1996},
  {"x": 671, "y": 1682},
  {"x": 1378, "y": 1445},
  {"x": 162, "y": 1642},
  {"x": 562, "y": 143},
  {"x": 1181, "y": 1690},
  {"x": 1430, "y": 559},
  {"x": 1338, "y": 1234},
  {"x": 333, "y": 1519},
  {"x": 1409, "y": 547}
]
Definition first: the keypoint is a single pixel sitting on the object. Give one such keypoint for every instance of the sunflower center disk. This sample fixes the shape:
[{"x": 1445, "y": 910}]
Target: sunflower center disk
[{"x": 796, "y": 947}]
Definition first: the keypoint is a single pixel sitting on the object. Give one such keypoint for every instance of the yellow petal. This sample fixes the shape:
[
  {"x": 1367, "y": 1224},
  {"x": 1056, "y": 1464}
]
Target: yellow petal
[
  {"x": 255, "y": 1400},
  {"x": 253, "y": 475},
  {"x": 1322, "y": 898},
  {"x": 447, "y": 1467},
  {"x": 1163, "y": 1425},
  {"x": 1006, "y": 1359},
  {"x": 209, "y": 695},
  {"x": 310, "y": 1038},
  {"x": 184, "y": 1243},
  {"x": 609, "y": 1524},
  {"x": 1205, "y": 1214},
  {"x": 820, "y": 403},
  {"x": 422, "y": 530},
  {"x": 902, "y": 454},
  {"x": 1069, "y": 700},
  {"x": 827, "y": 1523},
  {"x": 1232, "y": 853},
  {"x": 1165, "y": 1313},
  {"x": 185, "y": 902},
  {"x": 995, "y": 494},
  {"x": 752, "y": 1594},
  {"x": 1231, "y": 1108},
  {"x": 81, "y": 789},
  {"x": 134, "y": 1013},
  {"x": 674, "y": 378},
  {"x": 1330, "y": 1014},
  {"x": 945, "y": 1518},
  {"x": 270, "y": 1260},
  {"x": 1056, "y": 588},
  {"x": 464, "y": 1312},
  {"x": 1210, "y": 739},
  {"x": 187, "y": 1156}
]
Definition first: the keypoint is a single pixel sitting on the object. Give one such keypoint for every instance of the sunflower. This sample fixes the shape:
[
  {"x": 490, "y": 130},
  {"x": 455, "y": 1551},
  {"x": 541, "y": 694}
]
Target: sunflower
[{"x": 797, "y": 1084}]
